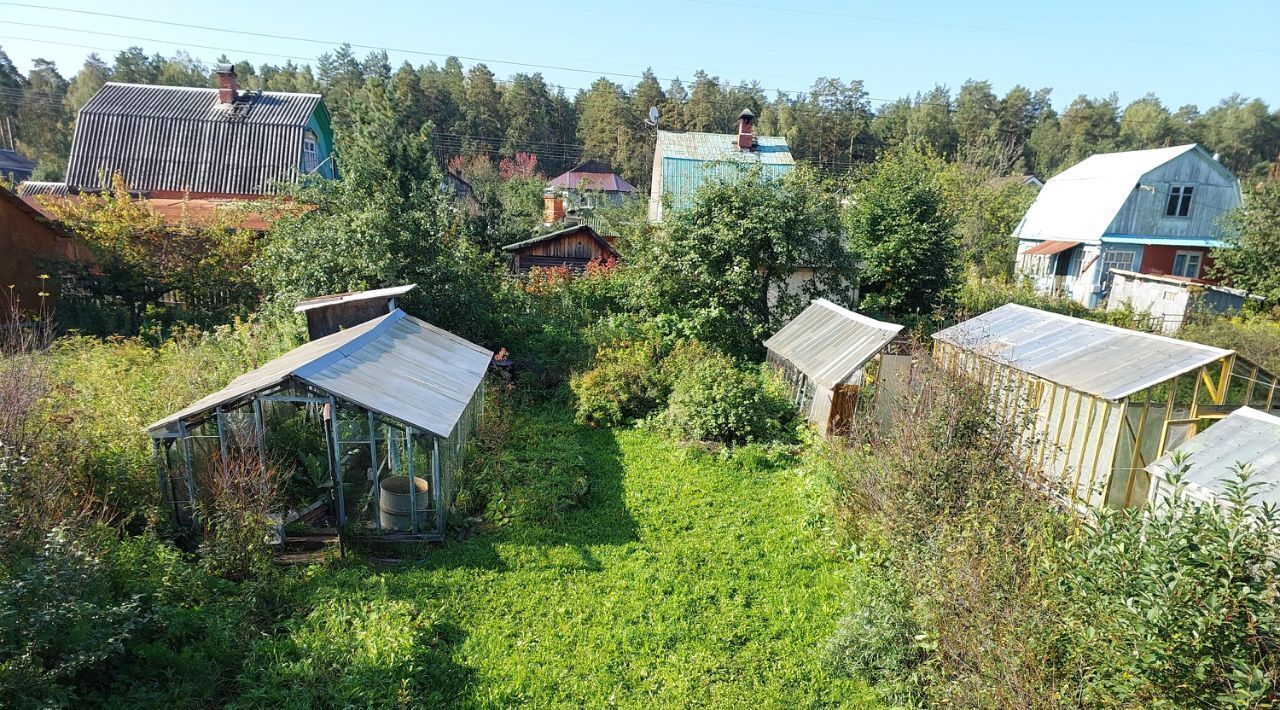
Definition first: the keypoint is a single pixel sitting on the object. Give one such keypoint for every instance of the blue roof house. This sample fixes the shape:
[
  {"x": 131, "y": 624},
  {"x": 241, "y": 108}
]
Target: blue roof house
[{"x": 684, "y": 162}]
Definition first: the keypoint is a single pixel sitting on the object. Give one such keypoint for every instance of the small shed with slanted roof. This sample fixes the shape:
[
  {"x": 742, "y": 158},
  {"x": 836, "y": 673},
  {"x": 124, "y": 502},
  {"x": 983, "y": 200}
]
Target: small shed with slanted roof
[
  {"x": 1247, "y": 439},
  {"x": 821, "y": 354}
]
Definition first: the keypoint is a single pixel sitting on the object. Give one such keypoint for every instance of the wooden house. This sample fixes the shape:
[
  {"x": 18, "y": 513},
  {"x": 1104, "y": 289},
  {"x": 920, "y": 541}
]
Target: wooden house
[
  {"x": 573, "y": 247},
  {"x": 1150, "y": 211},
  {"x": 684, "y": 162}
]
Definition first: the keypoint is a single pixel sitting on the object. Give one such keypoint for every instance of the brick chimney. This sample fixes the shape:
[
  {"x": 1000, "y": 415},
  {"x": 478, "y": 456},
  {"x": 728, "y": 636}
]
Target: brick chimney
[
  {"x": 552, "y": 208},
  {"x": 226, "y": 84},
  {"x": 746, "y": 130}
]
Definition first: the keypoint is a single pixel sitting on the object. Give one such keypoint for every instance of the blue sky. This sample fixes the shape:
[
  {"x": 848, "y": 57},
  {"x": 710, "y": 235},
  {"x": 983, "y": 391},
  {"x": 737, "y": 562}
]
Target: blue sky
[{"x": 1185, "y": 52}]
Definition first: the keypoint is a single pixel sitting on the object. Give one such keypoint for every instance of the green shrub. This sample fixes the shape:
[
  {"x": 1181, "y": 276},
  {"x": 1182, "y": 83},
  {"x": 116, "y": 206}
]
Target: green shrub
[
  {"x": 626, "y": 382},
  {"x": 717, "y": 400},
  {"x": 878, "y": 640},
  {"x": 1176, "y": 606}
]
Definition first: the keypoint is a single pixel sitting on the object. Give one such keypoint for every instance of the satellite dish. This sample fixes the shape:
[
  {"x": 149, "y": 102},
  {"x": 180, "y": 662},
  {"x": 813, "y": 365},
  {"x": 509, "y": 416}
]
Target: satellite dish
[{"x": 653, "y": 116}]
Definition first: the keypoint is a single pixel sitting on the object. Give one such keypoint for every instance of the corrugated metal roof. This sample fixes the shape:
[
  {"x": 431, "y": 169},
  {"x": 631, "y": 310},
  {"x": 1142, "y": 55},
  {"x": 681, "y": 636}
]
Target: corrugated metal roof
[
  {"x": 395, "y": 365},
  {"x": 1080, "y": 202},
  {"x": 770, "y": 150},
  {"x": 167, "y": 138},
  {"x": 1246, "y": 436},
  {"x": 829, "y": 343},
  {"x": 1094, "y": 358},
  {"x": 31, "y": 188}
]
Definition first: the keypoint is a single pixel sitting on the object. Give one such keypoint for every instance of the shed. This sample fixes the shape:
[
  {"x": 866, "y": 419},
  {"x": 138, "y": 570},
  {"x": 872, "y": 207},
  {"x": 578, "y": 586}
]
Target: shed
[
  {"x": 821, "y": 354},
  {"x": 394, "y": 400},
  {"x": 1169, "y": 301},
  {"x": 1095, "y": 402},
  {"x": 1246, "y": 437},
  {"x": 329, "y": 314},
  {"x": 572, "y": 247}
]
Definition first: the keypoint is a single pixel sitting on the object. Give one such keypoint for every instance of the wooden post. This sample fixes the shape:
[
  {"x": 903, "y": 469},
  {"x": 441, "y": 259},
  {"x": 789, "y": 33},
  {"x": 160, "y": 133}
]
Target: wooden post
[
  {"x": 260, "y": 431},
  {"x": 1048, "y": 422},
  {"x": 1115, "y": 448},
  {"x": 1071, "y": 437},
  {"x": 1084, "y": 446},
  {"x": 1137, "y": 447}
]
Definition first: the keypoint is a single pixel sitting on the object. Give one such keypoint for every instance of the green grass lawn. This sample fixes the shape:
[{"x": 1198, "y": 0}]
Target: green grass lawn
[{"x": 681, "y": 580}]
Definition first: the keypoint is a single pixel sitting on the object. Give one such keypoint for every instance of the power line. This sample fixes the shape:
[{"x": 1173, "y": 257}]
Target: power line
[{"x": 984, "y": 28}]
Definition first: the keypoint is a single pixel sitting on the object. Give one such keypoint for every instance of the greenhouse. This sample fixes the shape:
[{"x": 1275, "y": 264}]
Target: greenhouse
[
  {"x": 821, "y": 354},
  {"x": 372, "y": 420},
  {"x": 1094, "y": 403},
  {"x": 1246, "y": 438}
]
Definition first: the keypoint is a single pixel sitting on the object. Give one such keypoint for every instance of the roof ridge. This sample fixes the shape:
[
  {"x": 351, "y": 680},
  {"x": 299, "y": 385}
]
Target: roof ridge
[
  {"x": 345, "y": 349},
  {"x": 868, "y": 320}
]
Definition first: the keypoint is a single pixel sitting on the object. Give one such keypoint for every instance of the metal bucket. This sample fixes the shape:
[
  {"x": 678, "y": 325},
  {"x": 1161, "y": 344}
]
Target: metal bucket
[{"x": 394, "y": 505}]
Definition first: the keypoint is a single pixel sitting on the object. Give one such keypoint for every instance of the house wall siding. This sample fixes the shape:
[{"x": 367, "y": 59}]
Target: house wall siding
[{"x": 1216, "y": 193}]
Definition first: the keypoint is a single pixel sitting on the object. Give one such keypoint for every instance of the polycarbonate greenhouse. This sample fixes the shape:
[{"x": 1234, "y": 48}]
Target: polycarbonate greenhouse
[
  {"x": 1096, "y": 403},
  {"x": 1246, "y": 438},
  {"x": 821, "y": 353},
  {"x": 377, "y": 414}
]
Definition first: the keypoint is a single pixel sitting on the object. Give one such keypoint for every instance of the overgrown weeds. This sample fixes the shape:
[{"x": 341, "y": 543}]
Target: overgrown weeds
[{"x": 1016, "y": 603}]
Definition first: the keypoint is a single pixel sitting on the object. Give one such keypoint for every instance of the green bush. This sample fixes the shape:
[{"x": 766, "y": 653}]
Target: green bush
[
  {"x": 1176, "y": 606},
  {"x": 715, "y": 399},
  {"x": 627, "y": 382},
  {"x": 878, "y": 640}
]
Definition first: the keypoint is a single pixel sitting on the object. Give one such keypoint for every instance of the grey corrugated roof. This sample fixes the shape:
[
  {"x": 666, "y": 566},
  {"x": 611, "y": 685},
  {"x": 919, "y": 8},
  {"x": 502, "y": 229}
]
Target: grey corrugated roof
[
  {"x": 182, "y": 139},
  {"x": 395, "y": 365},
  {"x": 1245, "y": 436},
  {"x": 1094, "y": 358},
  {"x": 829, "y": 343},
  {"x": 30, "y": 188},
  {"x": 770, "y": 150}
]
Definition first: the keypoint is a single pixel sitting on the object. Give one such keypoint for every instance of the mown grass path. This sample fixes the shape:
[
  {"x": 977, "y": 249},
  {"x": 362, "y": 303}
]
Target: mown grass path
[{"x": 681, "y": 580}]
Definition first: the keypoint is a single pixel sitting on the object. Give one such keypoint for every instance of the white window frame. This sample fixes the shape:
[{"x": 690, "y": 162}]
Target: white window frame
[
  {"x": 310, "y": 153},
  {"x": 1076, "y": 264},
  {"x": 1180, "y": 196},
  {"x": 1187, "y": 256}
]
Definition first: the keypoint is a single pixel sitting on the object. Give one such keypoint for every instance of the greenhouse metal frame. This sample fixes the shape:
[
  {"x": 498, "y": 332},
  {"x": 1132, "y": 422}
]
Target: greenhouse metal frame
[{"x": 396, "y": 396}]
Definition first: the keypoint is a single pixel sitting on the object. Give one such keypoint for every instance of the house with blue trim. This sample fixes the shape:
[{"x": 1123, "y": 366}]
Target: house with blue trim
[
  {"x": 684, "y": 162},
  {"x": 1147, "y": 211}
]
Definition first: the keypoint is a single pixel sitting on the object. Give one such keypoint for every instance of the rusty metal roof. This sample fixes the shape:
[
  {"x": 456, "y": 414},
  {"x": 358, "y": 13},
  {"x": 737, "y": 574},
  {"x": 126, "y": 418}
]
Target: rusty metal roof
[
  {"x": 1091, "y": 357},
  {"x": 591, "y": 175},
  {"x": 170, "y": 138},
  {"x": 395, "y": 365},
  {"x": 829, "y": 343}
]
